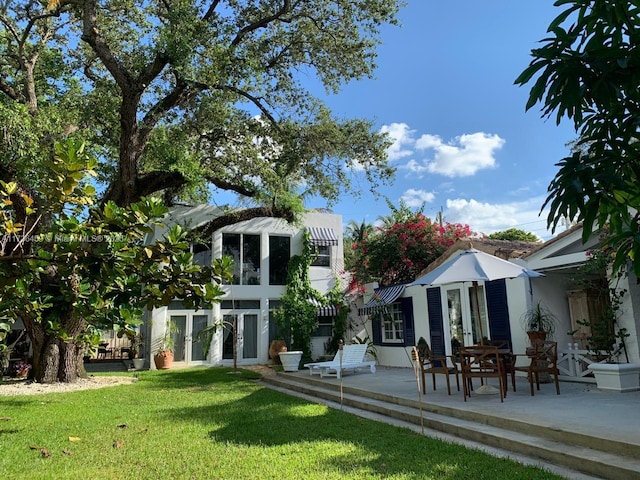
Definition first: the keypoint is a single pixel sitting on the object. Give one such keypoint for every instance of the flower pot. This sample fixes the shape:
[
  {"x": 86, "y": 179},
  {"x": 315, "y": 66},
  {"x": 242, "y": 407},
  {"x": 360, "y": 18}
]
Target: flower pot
[
  {"x": 291, "y": 360},
  {"x": 138, "y": 363},
  {"x": 617, "y": 377},
  {"x": 163, "y": 360}
]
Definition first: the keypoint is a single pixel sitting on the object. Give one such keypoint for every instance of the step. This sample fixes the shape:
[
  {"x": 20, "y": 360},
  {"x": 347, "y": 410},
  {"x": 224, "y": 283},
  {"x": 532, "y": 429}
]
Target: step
[{"x": 611, "y": 460}]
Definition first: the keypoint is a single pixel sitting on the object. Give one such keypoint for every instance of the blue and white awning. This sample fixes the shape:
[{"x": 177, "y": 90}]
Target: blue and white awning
[
  {"x": 381, "y": 297},
  {"x": 324, "y": 310},
  {"x": 323, "y": 237}
]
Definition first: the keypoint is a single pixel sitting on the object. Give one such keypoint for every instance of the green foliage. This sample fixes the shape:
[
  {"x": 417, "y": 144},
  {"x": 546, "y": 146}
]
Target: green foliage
[
  {"x": 298, "y": 314},
  {"x": 400, "y": 250},
  {"x": 165, "y": 90},
  {"x": 588, "y": 69},
  {"x": 539, "y": 318},
  {"x": 606, "y": 339},
  {"x": 65, "y": 274},
  {"x": 515, "y": 234}
]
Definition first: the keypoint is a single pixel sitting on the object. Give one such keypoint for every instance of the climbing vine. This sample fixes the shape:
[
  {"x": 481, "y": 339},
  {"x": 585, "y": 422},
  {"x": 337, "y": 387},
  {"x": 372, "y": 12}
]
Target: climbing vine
[{"x": 297, "y": 313}]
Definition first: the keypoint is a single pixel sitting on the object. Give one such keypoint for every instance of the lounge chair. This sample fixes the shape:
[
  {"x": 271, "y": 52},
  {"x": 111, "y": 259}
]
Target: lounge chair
[{"x": 352, "y": 359}]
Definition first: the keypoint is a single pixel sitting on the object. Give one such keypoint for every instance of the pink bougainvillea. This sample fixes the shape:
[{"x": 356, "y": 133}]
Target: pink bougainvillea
[{"x": 399, "y": 252}]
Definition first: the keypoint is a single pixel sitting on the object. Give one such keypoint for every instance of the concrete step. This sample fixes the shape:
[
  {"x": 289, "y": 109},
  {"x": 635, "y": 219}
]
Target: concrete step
[{"x": 577, "y": 452}]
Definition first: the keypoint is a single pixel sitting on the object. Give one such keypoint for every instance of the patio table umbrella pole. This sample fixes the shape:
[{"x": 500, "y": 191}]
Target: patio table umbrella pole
[{"x": 478, "y": 316}]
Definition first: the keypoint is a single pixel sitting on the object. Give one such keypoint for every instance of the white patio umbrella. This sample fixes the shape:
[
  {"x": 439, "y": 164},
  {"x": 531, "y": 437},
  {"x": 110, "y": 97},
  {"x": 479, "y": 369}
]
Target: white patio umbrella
[{"x": 473, "y": 266}]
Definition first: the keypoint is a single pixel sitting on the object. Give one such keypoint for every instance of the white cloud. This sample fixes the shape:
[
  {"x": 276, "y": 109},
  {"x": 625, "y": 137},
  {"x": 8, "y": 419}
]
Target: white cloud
[
  {"x": 402, "y": 136},
  {"x": 488, "y": 218},
  {"x": 462, "y": 157},
  {"x": 415, "y": 198}
]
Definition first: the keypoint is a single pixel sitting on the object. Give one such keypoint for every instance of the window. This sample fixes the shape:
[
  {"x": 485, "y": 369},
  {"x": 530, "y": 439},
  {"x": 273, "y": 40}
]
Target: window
[
  {"x": 325, "y": 327},
  {"x": 392, "y": 324},
  {"x": 201, "y": 254},
  {"x": 323, "y": 256},
  {"x": 245, "y": 251},
  {"x": 279, "y": 256}
]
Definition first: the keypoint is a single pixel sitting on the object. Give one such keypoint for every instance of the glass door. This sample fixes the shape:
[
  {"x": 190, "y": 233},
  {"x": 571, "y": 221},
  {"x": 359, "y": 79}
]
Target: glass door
[
  {"x": 246, "y": 340},
  {"x": 464, "y": 326},
  {"x": 187, "y": 327}
]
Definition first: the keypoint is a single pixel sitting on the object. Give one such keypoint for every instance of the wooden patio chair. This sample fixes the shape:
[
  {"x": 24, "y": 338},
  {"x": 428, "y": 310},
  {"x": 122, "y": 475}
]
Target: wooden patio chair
[
  {"x": 436, "y": 365},
  {"x": 543, "y": 358},
  {"x": 508, "y": 359},
  {"x": 484, "y": 362}
]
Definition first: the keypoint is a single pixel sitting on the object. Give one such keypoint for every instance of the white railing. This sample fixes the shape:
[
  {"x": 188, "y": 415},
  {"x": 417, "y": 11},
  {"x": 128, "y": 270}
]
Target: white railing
[{"x": 573, "y": 363}]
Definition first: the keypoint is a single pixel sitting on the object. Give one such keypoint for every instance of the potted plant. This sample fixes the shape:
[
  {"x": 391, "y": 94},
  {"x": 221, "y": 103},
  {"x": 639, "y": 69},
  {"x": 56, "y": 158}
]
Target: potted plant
[
  {"x": 606, "y": 343},
  {"x": 539, "y": 322},
  {"x": 20, "y": 369},
  {"x": 137, "y": 344},
  {"x": 163, "y": 357}
]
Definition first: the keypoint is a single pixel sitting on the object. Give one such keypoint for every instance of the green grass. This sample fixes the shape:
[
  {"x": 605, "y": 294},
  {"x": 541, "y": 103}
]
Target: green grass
[{"x": 206, "y": 423}]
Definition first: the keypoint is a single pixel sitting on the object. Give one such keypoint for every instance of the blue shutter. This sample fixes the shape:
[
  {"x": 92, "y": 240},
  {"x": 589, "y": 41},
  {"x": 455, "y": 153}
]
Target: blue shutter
[
  {"x": 498, "y": 310},
  {"x": 406, "y": 305},
  {"x": 436, "y": 321},
  {"x": 376, "y": 326}
]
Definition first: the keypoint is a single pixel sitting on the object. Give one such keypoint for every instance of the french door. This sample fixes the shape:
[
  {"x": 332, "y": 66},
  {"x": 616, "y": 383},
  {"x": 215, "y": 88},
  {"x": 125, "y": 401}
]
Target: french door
[
  {"x": 246, "y": 340},
  {"x": 465, "y": 327},
  {"x": 187, "y": 327}
]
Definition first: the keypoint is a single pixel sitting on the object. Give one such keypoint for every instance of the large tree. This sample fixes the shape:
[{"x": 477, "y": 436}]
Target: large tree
[
  {"x": 186, "y": 99},
  {"x": 588, "y": 70}
]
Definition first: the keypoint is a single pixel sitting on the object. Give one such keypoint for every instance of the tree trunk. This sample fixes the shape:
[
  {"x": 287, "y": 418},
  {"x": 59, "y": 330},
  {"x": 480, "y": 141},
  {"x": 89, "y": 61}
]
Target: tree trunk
[{"x": 57, "y": 361}]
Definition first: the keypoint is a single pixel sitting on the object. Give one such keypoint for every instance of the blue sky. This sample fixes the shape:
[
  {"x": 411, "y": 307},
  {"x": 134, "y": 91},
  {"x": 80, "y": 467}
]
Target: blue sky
[{"x": 463, "y": 142}]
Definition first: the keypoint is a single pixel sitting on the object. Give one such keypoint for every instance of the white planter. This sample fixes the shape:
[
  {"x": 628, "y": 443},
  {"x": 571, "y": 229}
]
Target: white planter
[
  {"x": 138, "y": 363},
  {"x": 617, "y": 377},
  {"x": 290, "y": 360}
]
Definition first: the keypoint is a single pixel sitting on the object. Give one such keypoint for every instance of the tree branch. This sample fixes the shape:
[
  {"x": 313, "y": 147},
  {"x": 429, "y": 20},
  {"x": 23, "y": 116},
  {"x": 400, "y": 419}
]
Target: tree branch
[
  {"x": 92, "y": 37},
  {"x": 286, "y": 8},
  {"x": 224, "y": 185}
]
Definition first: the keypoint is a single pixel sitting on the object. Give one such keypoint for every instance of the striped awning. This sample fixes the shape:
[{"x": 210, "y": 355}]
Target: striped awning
[
  {"x": 323, "y": 237},
  {"x": 381, "y": 296},
  {"x": 324, "y": 310}
]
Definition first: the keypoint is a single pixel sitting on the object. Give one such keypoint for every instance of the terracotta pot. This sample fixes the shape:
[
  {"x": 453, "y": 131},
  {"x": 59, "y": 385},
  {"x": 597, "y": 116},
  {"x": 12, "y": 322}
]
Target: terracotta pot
[
  {"x": 276, "y": 347},
  {"x": 535, "y": 335},
  {"x": 163, "y": 360}
]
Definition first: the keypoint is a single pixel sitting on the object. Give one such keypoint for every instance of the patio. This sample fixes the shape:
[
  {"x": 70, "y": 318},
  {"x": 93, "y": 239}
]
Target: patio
[{"x": 606, "y": 423}]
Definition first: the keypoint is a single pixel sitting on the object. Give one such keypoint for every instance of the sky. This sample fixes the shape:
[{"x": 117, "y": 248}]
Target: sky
[{"x": 463, "y": 142}]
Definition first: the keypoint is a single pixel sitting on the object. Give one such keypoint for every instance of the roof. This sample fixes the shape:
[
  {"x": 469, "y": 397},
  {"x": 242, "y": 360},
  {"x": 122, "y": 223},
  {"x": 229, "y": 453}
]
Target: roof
[{"x": 504, "y": 249}]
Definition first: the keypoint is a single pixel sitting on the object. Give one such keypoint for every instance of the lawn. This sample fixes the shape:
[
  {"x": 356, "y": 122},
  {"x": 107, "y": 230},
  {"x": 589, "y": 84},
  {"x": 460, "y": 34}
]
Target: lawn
[{"x": 208, "y": 423}]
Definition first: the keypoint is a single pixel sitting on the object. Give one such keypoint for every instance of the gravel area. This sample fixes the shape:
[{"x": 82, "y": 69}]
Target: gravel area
[
  {"x": 12, "y": 386},
  {"x": 27, "y": 387}
]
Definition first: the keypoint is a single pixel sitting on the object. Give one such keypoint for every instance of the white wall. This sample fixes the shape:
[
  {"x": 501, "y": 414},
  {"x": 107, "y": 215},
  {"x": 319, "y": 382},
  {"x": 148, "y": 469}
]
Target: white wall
[{"x": 322, "y": 278}]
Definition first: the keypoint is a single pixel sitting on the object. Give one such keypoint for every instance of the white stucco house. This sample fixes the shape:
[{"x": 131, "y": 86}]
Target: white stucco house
[
  {"x": 261, "y": 249},
  {"x": 444, "y": 315}
]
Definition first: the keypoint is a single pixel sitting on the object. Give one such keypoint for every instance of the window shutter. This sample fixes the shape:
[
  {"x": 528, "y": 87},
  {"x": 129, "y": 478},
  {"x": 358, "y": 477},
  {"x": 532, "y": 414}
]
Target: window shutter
[
  {"x": 498, "y": 310},
  {"x": 406, "y": 304},
  {"x": 376, "y": 326},
  {"x": 436, "y": 322}
]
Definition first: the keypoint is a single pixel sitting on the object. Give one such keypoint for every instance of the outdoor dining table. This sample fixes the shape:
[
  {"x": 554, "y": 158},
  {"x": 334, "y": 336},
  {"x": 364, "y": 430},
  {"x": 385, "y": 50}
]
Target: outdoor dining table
[{"x": 504, "y": 355}]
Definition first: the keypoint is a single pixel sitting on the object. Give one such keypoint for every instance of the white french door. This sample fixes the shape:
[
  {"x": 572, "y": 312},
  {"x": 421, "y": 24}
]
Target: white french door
[
  {"x": 246, "y": 323},
  {"x": 186, "y": 349},
  {"x": 464, "y": 326}
]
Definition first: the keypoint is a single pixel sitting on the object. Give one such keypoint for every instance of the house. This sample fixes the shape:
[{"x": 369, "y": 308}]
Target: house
[
  {"x": 261, "y": 249},
  {"x": 445, "y": 315}
]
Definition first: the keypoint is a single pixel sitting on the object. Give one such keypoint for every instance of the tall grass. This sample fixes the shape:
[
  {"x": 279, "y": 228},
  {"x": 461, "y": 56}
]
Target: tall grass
[{"x": 206, "y": 423}]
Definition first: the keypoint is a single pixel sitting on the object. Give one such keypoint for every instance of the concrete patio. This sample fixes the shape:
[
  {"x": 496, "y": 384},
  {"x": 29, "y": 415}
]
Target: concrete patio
[{"x": 582, "y": 429}]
